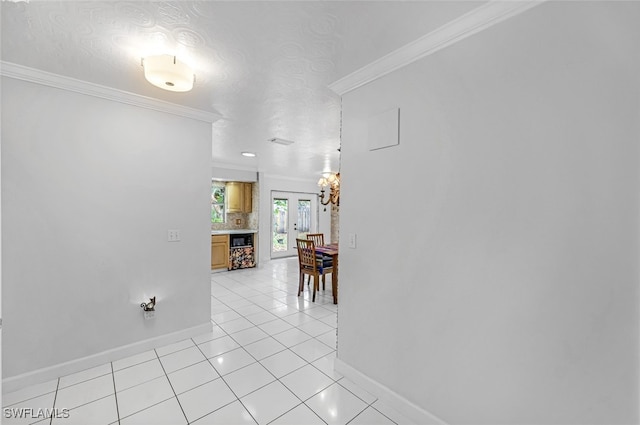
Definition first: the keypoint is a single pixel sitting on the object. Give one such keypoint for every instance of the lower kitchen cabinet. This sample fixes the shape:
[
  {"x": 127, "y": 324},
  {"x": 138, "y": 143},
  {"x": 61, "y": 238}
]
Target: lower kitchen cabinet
[{"x": 219, "y": 252}]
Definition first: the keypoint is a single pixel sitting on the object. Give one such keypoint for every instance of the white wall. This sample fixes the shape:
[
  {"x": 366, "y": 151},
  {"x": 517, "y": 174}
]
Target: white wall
[
  {"x": 270, "y": 183},
  {"x": 495, "y": 279},
  {"x": 1, "y": 270},
  {"x": 89, "y": 189},
  {"x": 222, "y": 173}
]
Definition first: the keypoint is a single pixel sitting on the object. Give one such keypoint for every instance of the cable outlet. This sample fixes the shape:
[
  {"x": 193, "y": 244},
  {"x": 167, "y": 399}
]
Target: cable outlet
[{"x": 151, "y": 314}]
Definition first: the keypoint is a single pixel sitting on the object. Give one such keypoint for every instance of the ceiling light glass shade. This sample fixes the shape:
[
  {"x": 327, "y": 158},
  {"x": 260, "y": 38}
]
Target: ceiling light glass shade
[
  {"x": 333, "y": 182},
  {"x": 168, "y": 73}
]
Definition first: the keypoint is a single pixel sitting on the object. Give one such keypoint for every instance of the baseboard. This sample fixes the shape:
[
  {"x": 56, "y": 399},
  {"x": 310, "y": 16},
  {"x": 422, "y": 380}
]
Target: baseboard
[
  {"x": 38, "y": 376},
  {"x": 408, "y": 409}
]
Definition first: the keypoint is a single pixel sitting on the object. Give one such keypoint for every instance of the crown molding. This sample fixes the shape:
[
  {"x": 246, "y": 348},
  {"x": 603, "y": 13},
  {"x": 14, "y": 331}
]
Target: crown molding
[
  {"x": 472, "y": 22},
  {"x": 20, "y": 72}
]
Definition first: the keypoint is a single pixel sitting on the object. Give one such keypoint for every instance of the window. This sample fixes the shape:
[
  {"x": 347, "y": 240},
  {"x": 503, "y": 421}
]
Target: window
[{"x": 217, "y": 202}]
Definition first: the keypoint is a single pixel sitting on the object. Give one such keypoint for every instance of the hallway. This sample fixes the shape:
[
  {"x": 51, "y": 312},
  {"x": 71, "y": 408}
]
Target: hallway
[{"x": 268, "y": 359}]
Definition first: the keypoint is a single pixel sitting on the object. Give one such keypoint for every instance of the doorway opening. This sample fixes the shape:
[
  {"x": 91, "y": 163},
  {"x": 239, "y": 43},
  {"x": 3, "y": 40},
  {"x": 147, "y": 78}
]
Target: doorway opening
[{"x": 293, "y": 215}]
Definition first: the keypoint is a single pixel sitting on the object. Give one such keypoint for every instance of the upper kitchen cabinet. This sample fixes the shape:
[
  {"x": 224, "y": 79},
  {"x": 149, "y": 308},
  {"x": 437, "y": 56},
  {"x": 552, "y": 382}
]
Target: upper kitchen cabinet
[
  {"x": 247, "y": 197},
  {"x": 239, "y": 197}
]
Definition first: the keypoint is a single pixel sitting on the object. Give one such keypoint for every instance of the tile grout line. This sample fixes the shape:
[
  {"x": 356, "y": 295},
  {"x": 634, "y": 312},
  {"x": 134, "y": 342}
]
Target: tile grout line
[
  {"x": 335, "y": 381},
  {"x": 55, "y": 398},
  {"x": 278, "y": 333},
  {"x": 295, "y": 326},
  {"x": 373, "y": 407},
  {"x": 286, "y": 348},
  {"x": 295, "y": 407},
  {"x": 171, "y": 385},
  {"x": 359, "y": 413},
  {"x": 275, "y": 377},
  {"x": 256, "y": 295},
  {"x": 115, "y": 391},
  {"x": 143, "y": 383},
  {"x": 230, "y": 389},
  {"x": 307, "y": 363}
]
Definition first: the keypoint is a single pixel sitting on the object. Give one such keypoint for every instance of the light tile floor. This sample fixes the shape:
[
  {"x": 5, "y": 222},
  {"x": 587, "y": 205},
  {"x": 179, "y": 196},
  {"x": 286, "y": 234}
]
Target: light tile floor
[{"x": 268, "y": 359}]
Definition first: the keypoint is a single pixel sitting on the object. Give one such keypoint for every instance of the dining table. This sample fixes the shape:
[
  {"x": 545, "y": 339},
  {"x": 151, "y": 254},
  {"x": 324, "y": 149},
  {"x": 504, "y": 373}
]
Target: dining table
[{"x": 331, "y": 250}]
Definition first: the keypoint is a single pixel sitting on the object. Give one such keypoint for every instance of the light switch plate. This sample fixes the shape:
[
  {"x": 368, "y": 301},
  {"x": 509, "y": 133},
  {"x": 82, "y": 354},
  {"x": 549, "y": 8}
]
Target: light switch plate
[{"x": 352, "y": 240}]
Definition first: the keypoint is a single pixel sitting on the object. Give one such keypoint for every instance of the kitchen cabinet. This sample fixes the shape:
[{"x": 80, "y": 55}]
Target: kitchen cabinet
[
  {"x": 219, "y": 252},
  {"x": 239, "y": 199},
  {"x": 247, "y": 189}
]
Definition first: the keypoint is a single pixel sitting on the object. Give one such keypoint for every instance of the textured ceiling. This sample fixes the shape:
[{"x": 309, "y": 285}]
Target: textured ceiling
[{"x": 263, "y": 66}]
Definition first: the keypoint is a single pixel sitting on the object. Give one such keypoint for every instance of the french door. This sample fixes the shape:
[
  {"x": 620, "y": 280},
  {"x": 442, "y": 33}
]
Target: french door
[{"x": 293, "y": 216}]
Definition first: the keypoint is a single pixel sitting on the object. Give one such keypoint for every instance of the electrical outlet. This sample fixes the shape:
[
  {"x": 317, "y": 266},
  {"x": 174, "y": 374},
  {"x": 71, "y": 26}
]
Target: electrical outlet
[
  {"x": 151, "y": 314},
  {"x": 173, "y": 235}
]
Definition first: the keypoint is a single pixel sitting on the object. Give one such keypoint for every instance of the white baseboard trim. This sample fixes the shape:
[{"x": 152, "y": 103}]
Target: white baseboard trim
[
  {"x": 410, "y": 410},
  {"x": 49, "y": 373}
]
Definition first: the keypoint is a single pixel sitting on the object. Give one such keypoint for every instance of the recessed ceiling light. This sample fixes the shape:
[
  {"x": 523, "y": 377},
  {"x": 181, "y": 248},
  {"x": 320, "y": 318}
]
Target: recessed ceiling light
[{"x": 249, "y": 154}]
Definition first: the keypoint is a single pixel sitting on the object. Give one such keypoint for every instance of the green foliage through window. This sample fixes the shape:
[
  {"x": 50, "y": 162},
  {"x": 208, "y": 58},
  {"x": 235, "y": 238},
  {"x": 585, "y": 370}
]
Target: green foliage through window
[
  {"x": 280, "y": 211},
  {"x": 217, "y": 202}
]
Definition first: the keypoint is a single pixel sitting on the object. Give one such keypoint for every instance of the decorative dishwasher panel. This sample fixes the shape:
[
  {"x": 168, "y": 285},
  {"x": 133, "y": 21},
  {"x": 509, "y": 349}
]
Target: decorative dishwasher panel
[{"x": 241, "y": 258}]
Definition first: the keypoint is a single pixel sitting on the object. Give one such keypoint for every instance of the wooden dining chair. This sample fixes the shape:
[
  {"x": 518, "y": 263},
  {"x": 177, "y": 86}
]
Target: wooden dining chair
[
  {"x": 318, "y": 240},
  {"x": 311, "y": 265}
]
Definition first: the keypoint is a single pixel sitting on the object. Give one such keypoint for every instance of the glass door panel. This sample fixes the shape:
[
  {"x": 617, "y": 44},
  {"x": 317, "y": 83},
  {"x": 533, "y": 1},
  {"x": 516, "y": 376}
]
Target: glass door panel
[
  {"x": 294, "y": 215},
  {"x": 304, "y": 218},
  {"x": 280, "y": 221}
]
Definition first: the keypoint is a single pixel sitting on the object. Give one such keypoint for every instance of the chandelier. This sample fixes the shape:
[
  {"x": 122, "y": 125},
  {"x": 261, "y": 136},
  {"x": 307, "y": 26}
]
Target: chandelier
[{"x": 333, "y": 182}]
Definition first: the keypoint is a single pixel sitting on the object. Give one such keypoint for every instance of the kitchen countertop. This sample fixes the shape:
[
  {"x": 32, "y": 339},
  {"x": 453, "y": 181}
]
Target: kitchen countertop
[{"x": 233, "y": 232}]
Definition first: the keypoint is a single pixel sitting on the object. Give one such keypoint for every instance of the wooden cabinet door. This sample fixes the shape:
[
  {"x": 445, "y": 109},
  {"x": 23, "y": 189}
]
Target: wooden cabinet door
[
  {"x": 247, "y": 197},
  {"x": 219, "y": 252},
  {"x": 239, "y": 197},
  {"x": 234, "y": 197}
]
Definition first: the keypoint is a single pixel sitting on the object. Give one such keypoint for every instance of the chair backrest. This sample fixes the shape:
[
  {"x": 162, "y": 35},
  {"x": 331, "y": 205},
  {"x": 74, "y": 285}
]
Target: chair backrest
[
  {"x": 317, "y": 238},
  {"x": 307, "y": 254}
]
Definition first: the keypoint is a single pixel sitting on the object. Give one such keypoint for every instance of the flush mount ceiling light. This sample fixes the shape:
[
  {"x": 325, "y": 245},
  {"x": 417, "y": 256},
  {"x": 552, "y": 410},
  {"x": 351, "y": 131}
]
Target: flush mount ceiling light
[
  {"x": 168, "y": 73},
  {"x": 248, "y": 154}
]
